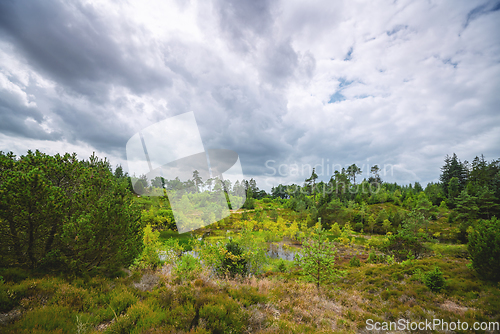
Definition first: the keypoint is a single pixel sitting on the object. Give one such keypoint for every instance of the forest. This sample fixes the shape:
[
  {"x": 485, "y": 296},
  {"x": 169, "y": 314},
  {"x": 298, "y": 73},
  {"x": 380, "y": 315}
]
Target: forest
[{"x": 83, "y": 251}]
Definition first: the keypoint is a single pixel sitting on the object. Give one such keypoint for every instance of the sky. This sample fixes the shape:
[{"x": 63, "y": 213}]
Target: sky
[{"x": 288, "y": 85}]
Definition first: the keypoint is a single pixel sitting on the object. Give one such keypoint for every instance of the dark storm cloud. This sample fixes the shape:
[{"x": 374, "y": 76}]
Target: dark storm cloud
[
  {"x": 97, "y": 127},
  {"x": 12, "y": 124},
  {"x": 75, "y": 45},
  {"x": 406, "y": 82}
]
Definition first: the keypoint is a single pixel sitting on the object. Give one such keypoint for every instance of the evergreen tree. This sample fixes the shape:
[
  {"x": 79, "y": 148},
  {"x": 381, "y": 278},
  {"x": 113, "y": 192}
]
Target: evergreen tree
[
  {"x": 375, "y": 177},
  {"x": 317, "y": 258},
  {"x": 453, "y": 168},
  {"x": 197, "y": 180},
  {"x": 352, "y": 171}
]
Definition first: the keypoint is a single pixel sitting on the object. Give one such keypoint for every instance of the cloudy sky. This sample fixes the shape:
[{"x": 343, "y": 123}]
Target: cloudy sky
[{"x": 290, "y": 83}]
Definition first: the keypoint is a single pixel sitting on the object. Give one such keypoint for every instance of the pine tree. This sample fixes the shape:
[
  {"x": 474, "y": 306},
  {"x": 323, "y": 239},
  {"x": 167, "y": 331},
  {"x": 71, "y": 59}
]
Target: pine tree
[
  {"x": 317, "y": 258},
  {"x": 453, "y": 168},
  {"x": 352, "y": 171}
]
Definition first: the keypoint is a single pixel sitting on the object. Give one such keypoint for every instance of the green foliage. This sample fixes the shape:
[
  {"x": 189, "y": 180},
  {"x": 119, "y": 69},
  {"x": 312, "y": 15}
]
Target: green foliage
[
  {"x": 188, "y": 268},
  {"x": 317, "y": 258},
  {"x": 121, "y": 299},
  {"x": 409, "y": 238},
  {"x": 371, "y": 222},
  {"x": 158, "y": 218},
  {"x": 335, "y": 230},
  {"x": 282, "y": 267},
  {"x": 62, "y": 214},
  {"x": 254, "y": 252},
  {"x": 434, "y": 280},
  {"x": 223, "y": 316},
  {"x": 14, "y": 274},
  {"x": 149, "y": 258},
  {"x": 249, "y": 203},
  {"x": 484, "y": 248},
  {"x": 374, "y": 258},
  {"x": 234, "y": 262},
  {"x": 355, "y": 262}
]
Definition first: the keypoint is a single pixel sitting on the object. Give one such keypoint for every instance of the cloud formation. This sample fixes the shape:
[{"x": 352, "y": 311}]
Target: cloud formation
[{"x": 400, "y": 83}]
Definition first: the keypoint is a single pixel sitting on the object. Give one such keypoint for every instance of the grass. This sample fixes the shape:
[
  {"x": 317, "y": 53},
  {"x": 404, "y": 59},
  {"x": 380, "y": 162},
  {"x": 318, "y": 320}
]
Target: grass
[
  {"x": 279, "y": 300},
  {"x": 183, "y": 238},
  {"x": 276, "y": 301}
]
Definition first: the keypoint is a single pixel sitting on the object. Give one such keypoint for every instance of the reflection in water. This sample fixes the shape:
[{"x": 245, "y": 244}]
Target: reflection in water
[{"x": 277, "y": 252}]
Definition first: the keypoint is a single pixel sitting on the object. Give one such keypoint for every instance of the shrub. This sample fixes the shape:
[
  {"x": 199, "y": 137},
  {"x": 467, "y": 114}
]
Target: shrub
[
  {"x": 374, "y": 258},
  {"x": 68, "y": 215},
  {"x": 14, "y": 275},
  {"x": 355, "y": 262},
  {"x": 434, "y": 280},
  {"x": 244, "y": 215},
  {"x": 249, "y": 203},
  {"x": 282, "y": 266},
  {"x": 484, "y": 248},
  {"x": 149, "y": 258},
  {"x": 224, "y": 316},
  {"x": 317, "y": 258},
  {"x": 121, "y": 299},
  {"x": 234, "y": 262},
  {"x": 400, "y": 245},
  {"x": 188, "y": 268}
]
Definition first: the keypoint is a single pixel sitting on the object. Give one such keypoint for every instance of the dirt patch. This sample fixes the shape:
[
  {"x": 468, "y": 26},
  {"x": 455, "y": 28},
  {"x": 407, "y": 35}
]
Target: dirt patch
[{"x": 453, "y": 307}]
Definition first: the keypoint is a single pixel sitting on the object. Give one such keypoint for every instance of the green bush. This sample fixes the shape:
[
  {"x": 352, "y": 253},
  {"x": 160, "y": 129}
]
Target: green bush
[
  {"x": 121, "y": 299},
  {"x": 149, "y": 258},
  {"x": 355, "y": 262},
  {"x": 400, "y": 244},
  {"x": 484, "y": 248},
  {"x": 374, "y": 258},
  {"x": 249, "y": 203},
  {"x": 234, "y": 262},
  {"x": 63, "y": 214},
  {"x": 14, "y": 274},
  {"x": 434, "y": 280},
  {"x": 317, "y": 258},
  {"x": 188, "y": 268},
  {"x": 282, "y": 267},
  {"x": 223, "y": 316}
]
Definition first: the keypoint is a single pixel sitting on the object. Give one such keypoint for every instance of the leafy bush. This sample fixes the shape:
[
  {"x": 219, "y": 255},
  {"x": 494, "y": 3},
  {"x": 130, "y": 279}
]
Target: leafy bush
[
  {"x": 14, "y": 274},
  {"x": 434, "y": 280},
  {"x": 484, "y": 248},
  {"x": 66, "y": 214},
  {"x": 409, "y": 238},
  {"x": 249, "y": 203},
  {"x": 223, "y": 316},
  {"x": 150, "y": 256},
  {"x": 282, "y": 267},
  {"x": 399, "y": 245},
  {"x": 234, "y": 262},
  {"x": 317, "y": 258},
  {"x": 374, "y": 258},
  {"x": 121, "y": 299},
  {"x": 355, "y": 262},
  {"x": 188, "y": 268}
]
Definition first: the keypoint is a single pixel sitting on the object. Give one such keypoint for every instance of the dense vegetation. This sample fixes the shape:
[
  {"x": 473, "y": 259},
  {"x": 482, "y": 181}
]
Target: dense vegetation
[
  {"x": 82, "y": 253},
  {"x": 58, "y": 213}
]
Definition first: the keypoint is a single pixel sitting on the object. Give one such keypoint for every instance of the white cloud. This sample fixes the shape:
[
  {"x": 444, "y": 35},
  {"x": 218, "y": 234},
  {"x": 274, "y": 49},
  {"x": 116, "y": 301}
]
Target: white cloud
[{"x": 419, "y": 80}]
